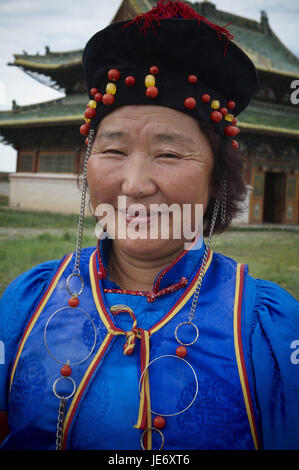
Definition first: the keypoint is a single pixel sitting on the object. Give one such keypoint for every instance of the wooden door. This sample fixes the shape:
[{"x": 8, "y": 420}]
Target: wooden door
[{"x": 257, "y": 196}]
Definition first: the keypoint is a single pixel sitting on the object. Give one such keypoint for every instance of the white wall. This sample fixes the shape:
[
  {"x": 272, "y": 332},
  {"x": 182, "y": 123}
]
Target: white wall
[
  {"x": 55, "y": 192},
  {"x": 244, "y": 216},
  {"x": 51, "y": 192}
]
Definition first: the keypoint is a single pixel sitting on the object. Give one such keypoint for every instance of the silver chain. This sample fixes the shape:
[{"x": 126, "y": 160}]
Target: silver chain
[
  {"x": 82, "y": 206},
  {"x": 60, "y": 421},
  {"x": 223, "y": 202},
  {"x": 205, "y": 256},
  {"x": 76, "y": 271}
]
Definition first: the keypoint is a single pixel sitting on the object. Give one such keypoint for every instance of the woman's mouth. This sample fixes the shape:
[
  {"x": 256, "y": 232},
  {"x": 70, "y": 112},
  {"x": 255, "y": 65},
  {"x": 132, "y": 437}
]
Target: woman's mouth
[{"x": 141, "y": 218}]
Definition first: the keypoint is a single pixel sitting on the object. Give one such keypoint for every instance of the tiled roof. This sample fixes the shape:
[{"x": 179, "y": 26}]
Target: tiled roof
[
  {"x": 258, "y": 41},
  {"x": 270, "y": 118},
  {"x": 68, "y": 109},
  {"x": 260, "y": 118}
]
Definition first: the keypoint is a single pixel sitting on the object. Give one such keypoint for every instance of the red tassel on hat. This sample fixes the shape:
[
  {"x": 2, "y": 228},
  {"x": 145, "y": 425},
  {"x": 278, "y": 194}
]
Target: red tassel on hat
[{"x": 174, "y": 10}]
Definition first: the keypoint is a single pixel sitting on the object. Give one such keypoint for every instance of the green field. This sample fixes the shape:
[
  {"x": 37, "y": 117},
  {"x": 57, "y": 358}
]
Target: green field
[{"x": 27, "y": 239}]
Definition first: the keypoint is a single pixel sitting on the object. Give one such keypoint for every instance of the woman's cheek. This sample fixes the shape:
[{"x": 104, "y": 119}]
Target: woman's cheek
[
  {"x": 94, "y": 180},
  {"x": 101, "y": 181}
]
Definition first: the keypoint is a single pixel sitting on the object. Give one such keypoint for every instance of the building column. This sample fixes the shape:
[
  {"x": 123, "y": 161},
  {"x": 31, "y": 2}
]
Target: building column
[
  {"x": 257, "y": 196},
  {"x": 291, "y": 198}
]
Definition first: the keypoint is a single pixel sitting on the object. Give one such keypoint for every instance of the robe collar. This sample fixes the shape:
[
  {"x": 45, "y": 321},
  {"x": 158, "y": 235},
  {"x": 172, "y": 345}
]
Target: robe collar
[{"x": 177, "y": 274}]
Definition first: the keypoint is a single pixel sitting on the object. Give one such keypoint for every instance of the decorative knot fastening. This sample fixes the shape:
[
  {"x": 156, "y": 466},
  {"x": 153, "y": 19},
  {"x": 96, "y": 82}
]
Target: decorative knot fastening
[
  {"x": 130, "y": 335},
  {"x": 151, "y": 296},
  {"x": 130, "y": 343}
]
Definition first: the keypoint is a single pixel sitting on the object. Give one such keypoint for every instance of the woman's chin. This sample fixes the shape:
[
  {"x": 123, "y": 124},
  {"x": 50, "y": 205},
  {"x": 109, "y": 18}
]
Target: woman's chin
[{"x": 147, "y": 247}]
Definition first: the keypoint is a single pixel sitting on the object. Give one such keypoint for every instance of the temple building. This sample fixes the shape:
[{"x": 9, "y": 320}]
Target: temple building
[{"x": 50, "y": 148}]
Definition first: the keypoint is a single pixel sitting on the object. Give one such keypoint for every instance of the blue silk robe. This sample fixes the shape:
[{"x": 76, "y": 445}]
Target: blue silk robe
[{"x": 241, "y": 375}]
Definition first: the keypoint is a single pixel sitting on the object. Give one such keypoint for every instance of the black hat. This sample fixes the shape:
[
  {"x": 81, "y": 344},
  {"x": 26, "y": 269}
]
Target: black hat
[{"x": 173, "y": 57}]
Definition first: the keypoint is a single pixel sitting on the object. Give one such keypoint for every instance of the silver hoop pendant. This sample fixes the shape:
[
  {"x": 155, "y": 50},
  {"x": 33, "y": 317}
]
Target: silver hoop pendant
[
  {"x": 94, "y": 330},
  {"x": 74, "y": 294},
  {"x": 196, "y": 333},
  {"x": 151, "y": 429},
  {"x": 64, "y": 397},
  {"x": 196, "y": 382}
]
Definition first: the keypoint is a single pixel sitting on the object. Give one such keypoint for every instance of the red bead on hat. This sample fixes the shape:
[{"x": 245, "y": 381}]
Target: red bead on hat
[
  {"x": 84, "y": 129},
  {"x": 216, "y": 116},
  {"x": 113, "y": 75},
  {"x": 108, "y": 99},
  {"x": 154, "y": 70},
  {"x": 130, "y": 80},
  {"x": 190, "y": 103},
  {"x": 231, "y": 104},
  {"x": 152, "y": 92},
  {"x": 93, "y": 91},
  {"x": 98, "y": 97},
  {"x": 231, "y": 131},
  {"x": 192, "y": 78},
  {"x": 90, "y": 113},
  {"x": 205, "y": 98}
]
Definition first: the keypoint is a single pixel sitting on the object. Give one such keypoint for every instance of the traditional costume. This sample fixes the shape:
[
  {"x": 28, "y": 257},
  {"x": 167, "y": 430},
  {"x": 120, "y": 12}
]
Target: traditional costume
[{"x": 205, "y": 360}]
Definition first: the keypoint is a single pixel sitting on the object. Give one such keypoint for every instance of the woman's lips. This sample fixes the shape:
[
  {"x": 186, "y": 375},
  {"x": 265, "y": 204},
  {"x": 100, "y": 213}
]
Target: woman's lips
[{"x": 140, "y": 218}]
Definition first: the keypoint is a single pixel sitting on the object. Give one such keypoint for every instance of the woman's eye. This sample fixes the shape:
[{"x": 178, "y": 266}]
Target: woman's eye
[
  {"x": 113, "y": 151},
  {"x": 169, "y": 155}
]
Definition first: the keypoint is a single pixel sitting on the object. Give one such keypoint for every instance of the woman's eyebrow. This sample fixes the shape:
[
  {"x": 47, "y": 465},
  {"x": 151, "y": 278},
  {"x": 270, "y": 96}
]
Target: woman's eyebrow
[
  {"x": 160, "y": 137},
  {"x": 172, "y": 138},
  {"x": 112, "y": 135}
]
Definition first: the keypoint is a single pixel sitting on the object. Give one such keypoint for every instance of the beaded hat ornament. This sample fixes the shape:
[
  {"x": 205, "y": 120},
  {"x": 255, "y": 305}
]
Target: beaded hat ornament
[
  {"x": 170, "y": 56},
  {"x": 173, "y": 57}
]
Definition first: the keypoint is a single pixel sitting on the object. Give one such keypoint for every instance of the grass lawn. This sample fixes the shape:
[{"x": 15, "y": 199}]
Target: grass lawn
[{"x": 270, "y": 254}]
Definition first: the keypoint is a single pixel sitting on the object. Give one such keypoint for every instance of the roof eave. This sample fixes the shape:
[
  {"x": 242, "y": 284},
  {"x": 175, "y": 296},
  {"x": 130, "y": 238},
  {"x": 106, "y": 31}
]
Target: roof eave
[
  {"x": 77, "y": 119},
  {"x": 262, "y": 129},
  {"x": 292, "y": 75},
  {"x": 40, "y": 66},
  {"x": 73, "y": 119}
]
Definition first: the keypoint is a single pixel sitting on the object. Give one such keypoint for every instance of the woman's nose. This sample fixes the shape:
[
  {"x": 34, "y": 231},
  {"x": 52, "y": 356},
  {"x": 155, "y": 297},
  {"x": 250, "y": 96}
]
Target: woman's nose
[{"x": 138, "y": 178}]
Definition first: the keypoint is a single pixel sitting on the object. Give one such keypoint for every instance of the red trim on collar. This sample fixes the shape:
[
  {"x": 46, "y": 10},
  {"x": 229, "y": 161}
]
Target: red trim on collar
[
  {"x": 155, "y": 292},
  {"x": 151, "y": 295},
  {"x": 102, "y": 273}
]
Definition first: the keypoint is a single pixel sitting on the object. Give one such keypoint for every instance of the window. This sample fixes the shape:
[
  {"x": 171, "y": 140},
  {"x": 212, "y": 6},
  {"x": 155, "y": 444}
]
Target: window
[
  {"x": 26, "y": 162},
  {"x": 55, "y": 163}
]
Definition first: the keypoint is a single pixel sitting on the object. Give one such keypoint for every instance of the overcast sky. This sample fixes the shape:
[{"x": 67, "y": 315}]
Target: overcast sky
[{"x": 65, "y": 25}]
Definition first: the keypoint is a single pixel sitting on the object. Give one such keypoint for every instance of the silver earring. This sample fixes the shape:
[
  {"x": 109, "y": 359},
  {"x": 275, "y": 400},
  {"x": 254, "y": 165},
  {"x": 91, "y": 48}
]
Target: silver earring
[
  {"x": 223, "y": 201},
  {"x": 220, "y": 201}
]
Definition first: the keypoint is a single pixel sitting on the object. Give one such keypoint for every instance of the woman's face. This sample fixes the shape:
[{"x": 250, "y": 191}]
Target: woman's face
[{"x": 159, "y": 152}]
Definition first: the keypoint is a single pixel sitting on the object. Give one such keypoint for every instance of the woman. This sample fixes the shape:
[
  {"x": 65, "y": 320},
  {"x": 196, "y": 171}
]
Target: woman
[{"x": 148, "y": 342}]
